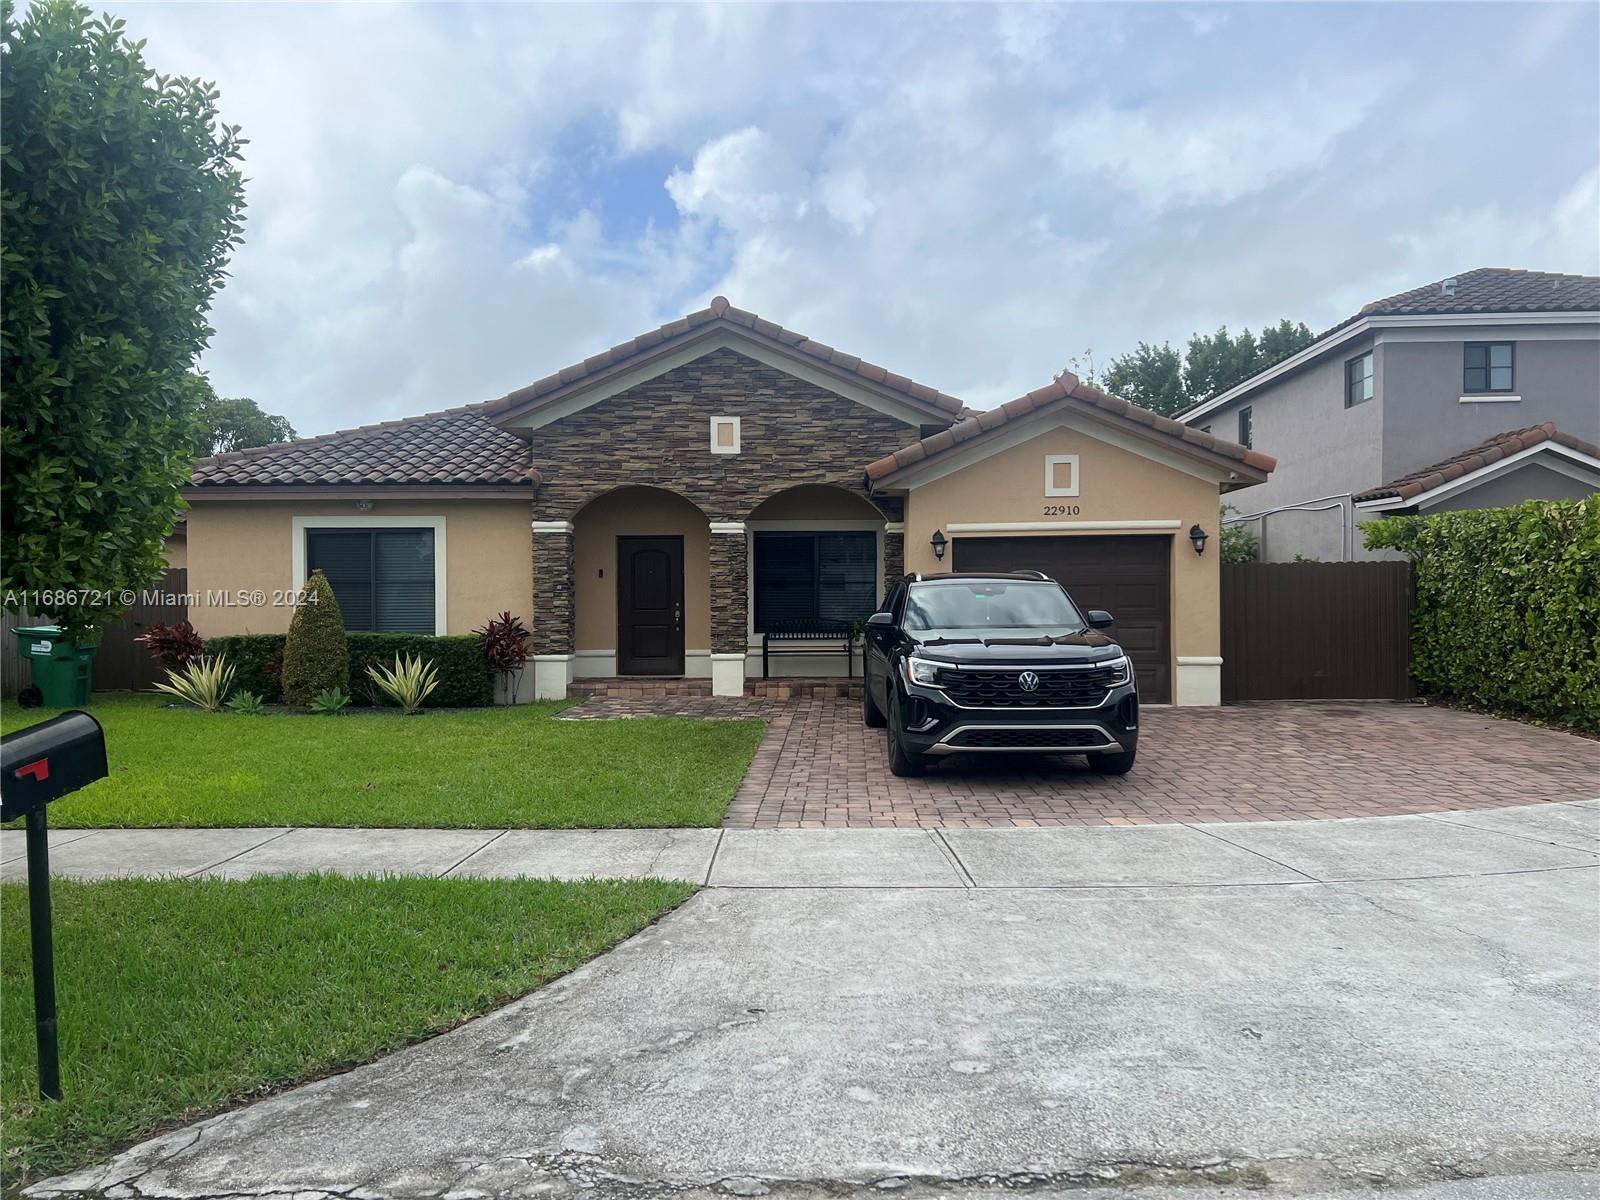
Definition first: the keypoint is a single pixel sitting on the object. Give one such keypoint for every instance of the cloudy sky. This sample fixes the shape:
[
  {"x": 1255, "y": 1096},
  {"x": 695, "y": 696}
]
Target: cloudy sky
[{"x": 448, "y": 201}]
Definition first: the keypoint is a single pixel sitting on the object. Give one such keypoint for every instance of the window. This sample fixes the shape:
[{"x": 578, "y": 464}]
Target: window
[
  {"x": 1487, "y": 366},
  {"x": 1244, "y": 428},
  {"x": 984, "y": 606},
  {"x": 814, "y": 578},
  {"x": 382, "y": 578},
  {"x": 1358, "y": 380}
]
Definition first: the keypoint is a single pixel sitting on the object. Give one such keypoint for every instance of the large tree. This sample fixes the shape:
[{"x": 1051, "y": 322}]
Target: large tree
[
  {"x": 120, "y": 202},
  {"x": 234, "y": 423},
  {"x": 1158, "y": 378}
]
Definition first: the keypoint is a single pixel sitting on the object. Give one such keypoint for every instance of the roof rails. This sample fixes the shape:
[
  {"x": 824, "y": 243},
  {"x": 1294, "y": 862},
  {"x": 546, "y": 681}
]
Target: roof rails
[{"x": 1036, "y": 575}]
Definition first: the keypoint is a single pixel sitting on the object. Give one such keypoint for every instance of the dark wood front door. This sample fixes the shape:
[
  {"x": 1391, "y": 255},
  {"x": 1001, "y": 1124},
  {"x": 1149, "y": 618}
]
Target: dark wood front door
[
  {"x": 650, "y": 606},
  {"x": 1127, "y": 576}
]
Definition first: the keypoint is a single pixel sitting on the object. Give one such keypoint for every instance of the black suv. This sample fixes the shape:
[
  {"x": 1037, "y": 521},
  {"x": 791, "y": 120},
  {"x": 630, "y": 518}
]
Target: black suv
[{"x": 991, "y": 663}]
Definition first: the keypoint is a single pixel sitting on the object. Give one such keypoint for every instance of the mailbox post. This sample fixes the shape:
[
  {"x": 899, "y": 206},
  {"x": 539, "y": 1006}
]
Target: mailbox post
[{"x": 37, "y": 765}]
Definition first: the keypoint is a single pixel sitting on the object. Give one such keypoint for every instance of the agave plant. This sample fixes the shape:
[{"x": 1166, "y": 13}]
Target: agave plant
[
  {"x": 246, "y": 704},
  {"x": 408, "y": 683},
  {"x": 203, "y": 683},
  {"x": 331, "y": 702}
]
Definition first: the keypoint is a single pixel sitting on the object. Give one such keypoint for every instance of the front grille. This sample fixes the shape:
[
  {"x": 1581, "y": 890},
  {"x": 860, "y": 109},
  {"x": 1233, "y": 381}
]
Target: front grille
[
  {"x": 1026, "y": 739},
  {"x": 1057, "y": 689}
]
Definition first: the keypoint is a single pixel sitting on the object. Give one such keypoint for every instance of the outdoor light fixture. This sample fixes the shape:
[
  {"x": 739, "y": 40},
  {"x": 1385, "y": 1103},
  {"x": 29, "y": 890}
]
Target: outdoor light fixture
[
  {"x": 1197, "y": 539},
  {"x": 938, "y": 541},
  {"x": 363, "y": 505}
]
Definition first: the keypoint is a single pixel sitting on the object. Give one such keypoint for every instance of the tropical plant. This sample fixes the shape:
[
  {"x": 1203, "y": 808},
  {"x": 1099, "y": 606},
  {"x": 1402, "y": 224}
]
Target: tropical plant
[
  {"x": 121, "y": 199},
  {"x": 331, "y": 702},
  {"x": 506, "y": 648},
  {"x": 1239, "y": 545},
  {"x": 246, "y": 704},
  {"x": 173, "y": 645},
  {"x": 203, "y": 683},
  {"x": 408, "y": 683},
  {"x": 316, "y": 655}
]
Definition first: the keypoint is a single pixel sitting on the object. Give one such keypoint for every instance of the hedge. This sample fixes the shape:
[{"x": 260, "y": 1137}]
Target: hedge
[
  {"x": 1507, "y": 612},
  {"x": 464, "y": 677}
]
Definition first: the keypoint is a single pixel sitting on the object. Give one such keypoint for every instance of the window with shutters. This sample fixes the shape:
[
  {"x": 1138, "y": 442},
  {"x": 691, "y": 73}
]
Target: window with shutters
[
  {"x": 820, "y": 579},
  {"x": 382, "y": 578}
]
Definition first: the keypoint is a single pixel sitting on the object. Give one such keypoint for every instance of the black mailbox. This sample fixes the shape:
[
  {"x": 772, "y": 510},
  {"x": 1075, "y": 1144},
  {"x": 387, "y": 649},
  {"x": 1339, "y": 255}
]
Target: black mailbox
[{"x": 47, "y": 761}]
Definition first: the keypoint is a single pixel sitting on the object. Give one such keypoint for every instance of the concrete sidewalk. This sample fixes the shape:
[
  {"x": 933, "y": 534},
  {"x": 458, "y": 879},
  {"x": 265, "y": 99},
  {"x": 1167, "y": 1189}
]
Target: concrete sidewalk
[{"x": 1532, "y": 838}]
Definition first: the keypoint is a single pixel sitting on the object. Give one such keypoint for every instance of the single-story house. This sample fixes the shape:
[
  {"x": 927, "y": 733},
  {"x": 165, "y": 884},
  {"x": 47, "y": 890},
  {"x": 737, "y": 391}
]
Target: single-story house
[{"x": 656, "y": 508}]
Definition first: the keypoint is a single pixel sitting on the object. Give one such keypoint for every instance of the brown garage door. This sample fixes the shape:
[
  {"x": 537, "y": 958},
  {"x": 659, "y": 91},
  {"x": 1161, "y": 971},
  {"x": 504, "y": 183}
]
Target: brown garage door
[{"x": 1126, "y": 576}]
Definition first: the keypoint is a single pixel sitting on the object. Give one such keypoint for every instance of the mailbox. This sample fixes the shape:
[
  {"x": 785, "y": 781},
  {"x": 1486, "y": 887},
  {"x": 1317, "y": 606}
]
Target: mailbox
[{"x": 47, "y": 761}]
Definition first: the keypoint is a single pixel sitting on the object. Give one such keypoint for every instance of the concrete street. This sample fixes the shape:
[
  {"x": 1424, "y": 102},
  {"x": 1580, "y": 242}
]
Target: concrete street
[{"x": 1335, "y": 1009}]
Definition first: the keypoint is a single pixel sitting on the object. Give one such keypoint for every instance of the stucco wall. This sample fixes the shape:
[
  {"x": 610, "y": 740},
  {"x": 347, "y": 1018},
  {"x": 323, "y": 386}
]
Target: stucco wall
[
  {"x": 1114, "y": 485},
  {"x": 1527, "y": 482},
  {"x": 237, "y": 546},
  {"x": 638, "y": 511}
]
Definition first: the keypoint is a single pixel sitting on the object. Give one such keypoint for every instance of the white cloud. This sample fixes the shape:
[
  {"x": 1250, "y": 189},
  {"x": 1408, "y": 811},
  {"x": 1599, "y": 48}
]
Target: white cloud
[{"x": 446, "y": 202}]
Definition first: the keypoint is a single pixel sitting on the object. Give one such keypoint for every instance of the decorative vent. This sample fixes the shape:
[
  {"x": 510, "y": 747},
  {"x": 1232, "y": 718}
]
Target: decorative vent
[
  {"x": 724, "y": 435},
  {"x": 1060, "y": 474}
]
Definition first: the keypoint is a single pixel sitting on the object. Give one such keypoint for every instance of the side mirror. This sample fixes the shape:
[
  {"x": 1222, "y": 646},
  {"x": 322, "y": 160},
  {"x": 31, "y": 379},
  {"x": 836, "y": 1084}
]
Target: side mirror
[
  {"x": 881, "y": 620},
  {"x": 1099, "y": 618}
]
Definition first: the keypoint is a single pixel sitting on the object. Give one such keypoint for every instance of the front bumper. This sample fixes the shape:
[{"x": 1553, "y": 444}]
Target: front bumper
[{"x": 929, "y": 723}]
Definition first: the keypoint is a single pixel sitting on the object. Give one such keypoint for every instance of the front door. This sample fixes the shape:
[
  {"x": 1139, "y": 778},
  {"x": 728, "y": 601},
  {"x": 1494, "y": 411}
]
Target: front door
[{"x": 650, "y": 606}]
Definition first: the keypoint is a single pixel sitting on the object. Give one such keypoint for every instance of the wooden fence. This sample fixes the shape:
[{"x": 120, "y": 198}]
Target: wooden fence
[
  {"x": 121, "y": 664},
  {"x": 1316, "y": 631}
]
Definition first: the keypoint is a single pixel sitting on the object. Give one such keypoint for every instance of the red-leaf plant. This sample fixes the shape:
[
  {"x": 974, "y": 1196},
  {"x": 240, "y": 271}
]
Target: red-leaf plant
[
  {"x": 505, "y": 641},
  {"x": 173, "y": 646}
]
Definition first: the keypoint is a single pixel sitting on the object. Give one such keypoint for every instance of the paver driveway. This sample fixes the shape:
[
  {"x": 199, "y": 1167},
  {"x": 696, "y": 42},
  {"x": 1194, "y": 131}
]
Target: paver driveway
[{"x": 818, "y": 766}]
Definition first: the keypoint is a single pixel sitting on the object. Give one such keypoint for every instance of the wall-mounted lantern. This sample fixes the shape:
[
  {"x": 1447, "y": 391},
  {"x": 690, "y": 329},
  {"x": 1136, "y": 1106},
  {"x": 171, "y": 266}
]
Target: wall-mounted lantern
[
  {"x": 1197, "y": 539},
  {"x": 938, "y": 541}
]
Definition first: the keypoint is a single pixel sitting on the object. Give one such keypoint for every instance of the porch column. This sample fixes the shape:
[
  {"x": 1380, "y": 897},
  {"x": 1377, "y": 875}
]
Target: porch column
[
  {"x": 894, "y": 552},
  {"x": 730, "y": 594},
  {"x": 554, "y": 578}
]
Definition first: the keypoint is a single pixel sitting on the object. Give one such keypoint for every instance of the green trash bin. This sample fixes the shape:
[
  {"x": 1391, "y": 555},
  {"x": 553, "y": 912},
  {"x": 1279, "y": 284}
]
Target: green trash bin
[{"x": 62, "y": 669}]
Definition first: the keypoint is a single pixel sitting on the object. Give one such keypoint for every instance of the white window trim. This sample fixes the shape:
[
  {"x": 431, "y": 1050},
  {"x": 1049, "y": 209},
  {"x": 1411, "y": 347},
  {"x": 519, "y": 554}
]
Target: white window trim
[
  {"x": 737, "y": 435},
  {"x": 1051, "y": 462},
  {"x": 752, "y": 638},
  {"x": 1489, "y": 398},
  {"x": 300, "y": 525}
]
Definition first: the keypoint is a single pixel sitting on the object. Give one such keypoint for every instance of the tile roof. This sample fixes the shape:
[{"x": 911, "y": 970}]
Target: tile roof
[
  {"x": 1068, "y": 389},
  {"x": 1494, "y": 289},
  {"x": 720, "y": 312},
  {"x": 1502, "y": 445},
  {"x": 458, "y": 446}
]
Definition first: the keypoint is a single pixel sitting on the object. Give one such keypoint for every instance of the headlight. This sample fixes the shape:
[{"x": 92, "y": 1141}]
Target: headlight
[
  {"x": 921, "y": 671},
  {"x": 1123, "y": 669}
]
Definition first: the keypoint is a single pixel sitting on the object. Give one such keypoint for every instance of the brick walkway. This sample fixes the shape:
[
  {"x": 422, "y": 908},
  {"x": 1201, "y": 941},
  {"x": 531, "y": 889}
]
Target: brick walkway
[{"x": 818, "y": 766}]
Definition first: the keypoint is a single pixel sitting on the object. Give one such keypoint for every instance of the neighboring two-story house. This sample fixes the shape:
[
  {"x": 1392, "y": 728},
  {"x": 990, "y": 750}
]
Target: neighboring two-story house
[{"x": 1477, "y": 391}]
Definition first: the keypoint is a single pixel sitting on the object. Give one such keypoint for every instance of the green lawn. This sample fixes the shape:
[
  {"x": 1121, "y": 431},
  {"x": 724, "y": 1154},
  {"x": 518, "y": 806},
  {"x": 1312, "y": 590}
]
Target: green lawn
[
  {"x": 178, "y": 998},
  {"x": 467, "y": 768}
]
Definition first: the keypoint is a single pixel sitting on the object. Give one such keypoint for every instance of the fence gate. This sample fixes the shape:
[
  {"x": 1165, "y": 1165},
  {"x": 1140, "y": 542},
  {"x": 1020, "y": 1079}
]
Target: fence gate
[
  {"x": 121, "y": 664},
  {"x": 1316, "y": 631}
]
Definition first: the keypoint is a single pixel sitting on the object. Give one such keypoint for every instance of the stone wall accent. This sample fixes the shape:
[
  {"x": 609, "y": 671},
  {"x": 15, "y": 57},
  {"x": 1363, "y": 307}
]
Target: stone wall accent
[
  {"x": 554, "y": 587},
  {"x": 894, "y": 556},
  {"x": 658, "y": 433},
  {"x": 730, "y": 593}
]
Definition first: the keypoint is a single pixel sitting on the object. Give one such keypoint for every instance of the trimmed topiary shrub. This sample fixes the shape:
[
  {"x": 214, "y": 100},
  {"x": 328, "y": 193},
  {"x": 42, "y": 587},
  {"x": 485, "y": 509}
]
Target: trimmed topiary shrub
[
  {"x": 316, "y": 656},
  {"x": 465, "y": 680},
  {"x": 1507, "y": 612}
]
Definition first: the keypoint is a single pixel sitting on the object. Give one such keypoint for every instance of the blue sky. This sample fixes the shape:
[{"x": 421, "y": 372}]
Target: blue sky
[{"x": 448, "y": 201}]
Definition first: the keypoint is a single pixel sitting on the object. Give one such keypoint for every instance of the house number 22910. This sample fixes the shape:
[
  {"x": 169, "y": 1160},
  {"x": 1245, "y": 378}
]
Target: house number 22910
[{"x": 1060, "y": 510}]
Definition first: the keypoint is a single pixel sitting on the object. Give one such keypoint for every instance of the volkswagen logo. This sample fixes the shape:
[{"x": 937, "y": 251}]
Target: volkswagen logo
[{"x": 1028, "y": 681}]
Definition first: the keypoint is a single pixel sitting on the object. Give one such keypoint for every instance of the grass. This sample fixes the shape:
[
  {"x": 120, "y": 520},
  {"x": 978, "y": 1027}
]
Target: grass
[
  {"x": 178, "y": 998},
  {"x": 464, "y": 768}
]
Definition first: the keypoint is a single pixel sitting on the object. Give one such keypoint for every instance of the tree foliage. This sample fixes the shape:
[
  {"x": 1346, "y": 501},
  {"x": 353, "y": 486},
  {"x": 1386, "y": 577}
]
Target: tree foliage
[
  {"x": 1507, "y": 609},
  {"x": 120, "y": 202},
  {"x": 234, "y": 423},
  {"x": 1162, "y": 380},
  {"x": 1239, "y": 543}
]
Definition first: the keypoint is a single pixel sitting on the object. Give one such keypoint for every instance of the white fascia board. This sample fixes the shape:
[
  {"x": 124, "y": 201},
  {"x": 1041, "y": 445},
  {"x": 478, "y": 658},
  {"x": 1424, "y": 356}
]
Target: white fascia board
[{"x": 1370, "y": 324}]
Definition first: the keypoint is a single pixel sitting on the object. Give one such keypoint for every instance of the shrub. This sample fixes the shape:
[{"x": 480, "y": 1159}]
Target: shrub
[
  {"x": 203, "y": 684},
  {"x": 1507, "y": 609},
  {"x": 408, "y": 683},
  {"x": 505, "y": 641},
  {"x": 1239, "y": 544},
  {"x": 173, "y": 646},
  {"x": 316, "y": 655},
  {"x": 464, "y": 677},
  {"x": 331, "y": 702},
  {"x": 246, "y": 704}
]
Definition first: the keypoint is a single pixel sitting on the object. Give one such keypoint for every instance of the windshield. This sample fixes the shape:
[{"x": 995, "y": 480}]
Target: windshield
[{"x": 983, "y": 606}]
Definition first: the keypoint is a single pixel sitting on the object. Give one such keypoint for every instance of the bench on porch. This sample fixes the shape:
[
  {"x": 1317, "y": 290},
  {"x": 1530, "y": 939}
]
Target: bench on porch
[{"x": 820, "y": 637}]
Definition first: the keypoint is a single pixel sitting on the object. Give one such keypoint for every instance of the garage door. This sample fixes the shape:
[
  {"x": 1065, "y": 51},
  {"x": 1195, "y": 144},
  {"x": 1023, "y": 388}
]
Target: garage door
[{"x": 1126, "y": 576}]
